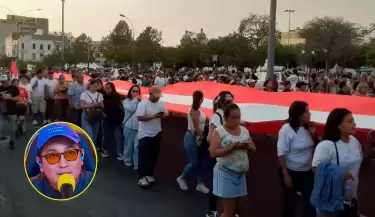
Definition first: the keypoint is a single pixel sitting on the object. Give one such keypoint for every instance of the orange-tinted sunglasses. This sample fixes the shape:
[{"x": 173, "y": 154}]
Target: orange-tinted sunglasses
[{"x": 69, "y": 155}]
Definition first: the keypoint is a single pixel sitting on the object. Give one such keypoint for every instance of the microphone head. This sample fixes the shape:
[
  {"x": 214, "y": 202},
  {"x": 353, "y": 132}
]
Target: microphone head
[{"x": 66, "y": 179}]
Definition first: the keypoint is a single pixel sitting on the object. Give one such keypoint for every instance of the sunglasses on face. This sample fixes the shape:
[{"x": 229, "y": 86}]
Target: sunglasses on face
[{"x": 69, "y": 155}]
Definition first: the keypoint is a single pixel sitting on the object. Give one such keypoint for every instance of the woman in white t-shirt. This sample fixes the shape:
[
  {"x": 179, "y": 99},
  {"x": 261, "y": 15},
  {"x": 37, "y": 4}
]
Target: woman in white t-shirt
[
  {"x": 217, "y": 119},
  {"x": 192, "y": 141},
  {"x": 230, "y": 144},
  {"x": 339, "y": 139},
  {"x": 91, "y": 99},
  {"x": 295, "y": 147}
]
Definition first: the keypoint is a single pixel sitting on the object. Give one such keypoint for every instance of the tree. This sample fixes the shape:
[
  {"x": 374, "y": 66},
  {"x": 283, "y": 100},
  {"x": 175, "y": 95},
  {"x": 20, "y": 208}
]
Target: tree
[
  {"x": 117, "y": 44},
  {"x": 369, "y": 54},
  {"x": 148, "y": 46},
  {"x": 329, "y": 36},
  {"x": 82, "y": 48},
  {"x": 255, "y": 29}
]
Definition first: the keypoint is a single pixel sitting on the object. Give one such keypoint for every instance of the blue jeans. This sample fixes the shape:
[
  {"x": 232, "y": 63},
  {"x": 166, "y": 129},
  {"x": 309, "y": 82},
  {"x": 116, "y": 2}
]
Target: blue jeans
[
  {"x": 194, "y": 156},
  {"x": 91, "y": 128},
  {"x": 131, "y": 147},
  {"x": 112, "y": 134}
]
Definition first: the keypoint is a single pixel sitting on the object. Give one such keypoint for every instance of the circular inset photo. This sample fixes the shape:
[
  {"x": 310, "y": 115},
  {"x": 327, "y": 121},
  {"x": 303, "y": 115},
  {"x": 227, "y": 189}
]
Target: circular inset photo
[{"x": 60, "y": 161}]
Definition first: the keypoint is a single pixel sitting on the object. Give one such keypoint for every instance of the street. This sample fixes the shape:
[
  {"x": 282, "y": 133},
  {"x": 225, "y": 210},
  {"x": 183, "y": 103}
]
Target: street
[{"x": 114, "y": 192}]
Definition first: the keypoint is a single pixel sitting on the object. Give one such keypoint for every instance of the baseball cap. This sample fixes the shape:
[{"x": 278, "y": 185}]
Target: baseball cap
[
  {"x": 155, "y": 91},
  {"x": 4, "y": 78},
  {"x": 59, "y": 129}
]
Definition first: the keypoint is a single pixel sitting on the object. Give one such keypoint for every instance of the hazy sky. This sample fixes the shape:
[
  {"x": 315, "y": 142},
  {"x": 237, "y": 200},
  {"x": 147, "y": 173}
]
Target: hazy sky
[{"x": 217, "y": 17}]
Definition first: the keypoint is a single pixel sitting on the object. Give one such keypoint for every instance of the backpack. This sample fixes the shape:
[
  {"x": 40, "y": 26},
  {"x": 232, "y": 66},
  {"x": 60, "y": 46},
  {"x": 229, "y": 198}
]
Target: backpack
[{"x": 205, "y": 145}]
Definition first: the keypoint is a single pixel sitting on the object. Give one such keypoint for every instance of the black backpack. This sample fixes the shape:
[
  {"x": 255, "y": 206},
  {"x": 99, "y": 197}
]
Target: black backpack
[{"x": 205, "y": 145}]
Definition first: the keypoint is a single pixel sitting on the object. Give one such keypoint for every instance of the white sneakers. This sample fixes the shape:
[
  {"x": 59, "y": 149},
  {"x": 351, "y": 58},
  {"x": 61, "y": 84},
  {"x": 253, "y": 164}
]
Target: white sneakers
[
  {"x": 183, "y": 185},
  {"x": 146, "y": 181},
  {"x": 35, "y": 122},
  {"x": 202, "y": 188}
]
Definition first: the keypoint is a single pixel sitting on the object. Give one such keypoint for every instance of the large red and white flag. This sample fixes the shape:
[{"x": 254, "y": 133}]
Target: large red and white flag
[{"x": 265, "y": 112}]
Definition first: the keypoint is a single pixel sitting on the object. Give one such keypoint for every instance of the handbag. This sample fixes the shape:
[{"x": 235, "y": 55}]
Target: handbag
[{"x": 94, "y": 114}]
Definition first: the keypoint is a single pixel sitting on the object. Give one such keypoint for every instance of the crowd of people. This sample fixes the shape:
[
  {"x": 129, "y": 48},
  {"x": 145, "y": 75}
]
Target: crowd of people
[
  {"x": 133, "y": 124},
  {"x": 361, "y": 84}
]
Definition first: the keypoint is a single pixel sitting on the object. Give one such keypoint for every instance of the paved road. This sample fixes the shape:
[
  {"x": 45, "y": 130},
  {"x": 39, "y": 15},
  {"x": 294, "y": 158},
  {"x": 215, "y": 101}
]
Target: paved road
[{"x": 114, "y": 192}]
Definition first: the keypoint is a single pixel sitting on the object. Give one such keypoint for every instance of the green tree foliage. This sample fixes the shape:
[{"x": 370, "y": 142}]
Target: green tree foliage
[
  {"x": 327, "y": 40},
  {"x": 255, "y": 29},
  {"x": 330, "y": 36},
  {"x": 148, "y": 46},
  {"x": 117, "y": 44}
]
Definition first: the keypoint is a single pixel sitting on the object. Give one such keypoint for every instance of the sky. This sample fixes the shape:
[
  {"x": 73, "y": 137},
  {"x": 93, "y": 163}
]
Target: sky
[{"x": 97, "y": 18}]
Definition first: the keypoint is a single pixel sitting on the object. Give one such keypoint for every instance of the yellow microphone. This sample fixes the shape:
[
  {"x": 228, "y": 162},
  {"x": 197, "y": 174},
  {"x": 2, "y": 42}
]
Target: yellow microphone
[{"x": 66, "y": 185}]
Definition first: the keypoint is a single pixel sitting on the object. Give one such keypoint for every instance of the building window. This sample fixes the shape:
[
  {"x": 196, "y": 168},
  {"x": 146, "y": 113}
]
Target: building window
[
  {"x": 49, "y": 47},
  {"x": 41, "y": 46},
  {"x": 97, "y": 55},
  {"x": 34, "y": 46},
  {"x": 34, "y": 56},
  {"x": 23, "y": 46},
  {"x": 41, "y": 56}
]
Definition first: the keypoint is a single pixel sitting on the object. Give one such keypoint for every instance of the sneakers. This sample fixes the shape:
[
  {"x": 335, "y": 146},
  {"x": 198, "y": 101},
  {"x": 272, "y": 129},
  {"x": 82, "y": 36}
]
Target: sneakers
[
  {"x": 184, "y": 186},
  {"x": 150, "y": 179},
  {"x": 143, "y": 183},
  {"x": 202, "y": 188},
  {"x": 105, "y": 154},
  {"x": 213, "y": 214},
  {"x": 120, "y": 157},
  {"x": 182, "y": 183}
]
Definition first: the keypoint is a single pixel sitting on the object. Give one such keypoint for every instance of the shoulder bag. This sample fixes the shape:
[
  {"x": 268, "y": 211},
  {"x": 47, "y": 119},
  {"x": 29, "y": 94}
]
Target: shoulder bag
[{"x": 94, "y": 114}]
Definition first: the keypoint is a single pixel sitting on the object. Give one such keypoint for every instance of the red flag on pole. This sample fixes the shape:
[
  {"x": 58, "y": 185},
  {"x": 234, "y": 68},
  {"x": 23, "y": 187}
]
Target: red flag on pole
[{"x": 14, "y": 69}]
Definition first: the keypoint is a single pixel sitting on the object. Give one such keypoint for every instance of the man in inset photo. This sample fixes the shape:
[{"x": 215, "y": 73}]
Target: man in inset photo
[{"x": 60, "y": 158}]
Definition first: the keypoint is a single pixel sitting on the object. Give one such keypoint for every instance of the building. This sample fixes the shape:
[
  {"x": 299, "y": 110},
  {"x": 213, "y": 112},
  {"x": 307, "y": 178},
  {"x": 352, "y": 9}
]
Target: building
[
  {"x": 189, "y": 36},
  {"x": 20, "y": 24},
  {"x": 97, "y": 54},
  {"x": 31, "y": 47},
  {"x": 292, "y": 38},
  {"x": 202, "y": 38}
]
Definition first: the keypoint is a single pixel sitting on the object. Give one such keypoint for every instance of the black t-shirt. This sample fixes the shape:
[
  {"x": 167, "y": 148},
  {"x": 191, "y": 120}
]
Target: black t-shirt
[{"x": 9, "y": 107}]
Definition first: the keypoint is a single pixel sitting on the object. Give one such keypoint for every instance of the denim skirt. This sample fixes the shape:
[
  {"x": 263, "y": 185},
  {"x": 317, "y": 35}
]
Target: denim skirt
[{"x": 227, "y": 183}]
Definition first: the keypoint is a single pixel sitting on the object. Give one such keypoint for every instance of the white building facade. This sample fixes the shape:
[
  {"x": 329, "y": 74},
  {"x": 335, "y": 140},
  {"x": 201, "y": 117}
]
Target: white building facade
[{"x": 31, "y": 47}]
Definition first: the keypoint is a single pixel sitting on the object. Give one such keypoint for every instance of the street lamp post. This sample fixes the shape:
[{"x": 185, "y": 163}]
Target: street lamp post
[
  {"x": 18, "y": 22},
  {"x": 271, "y": 40},
  {"x": 133, "y": 47},
  {"x": 62, "y": 32},
  {"x": 289, "y": 11}
]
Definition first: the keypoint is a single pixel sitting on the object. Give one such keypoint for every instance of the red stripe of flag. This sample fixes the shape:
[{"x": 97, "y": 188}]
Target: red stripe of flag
[{"x": 14, "y": 69}]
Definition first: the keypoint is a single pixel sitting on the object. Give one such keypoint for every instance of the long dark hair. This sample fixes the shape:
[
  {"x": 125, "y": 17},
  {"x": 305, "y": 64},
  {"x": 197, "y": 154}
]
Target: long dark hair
[
  {"x": 335, "y": 118},
  {"x": 215, "y": 104},
  {"x": 114, "y": 91},
  {"x": 197, "y": 97},
  {"x": 295, "y": 111},
  {"x": 129, "y": 95},
  {"x": 221, "y": 101}
]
